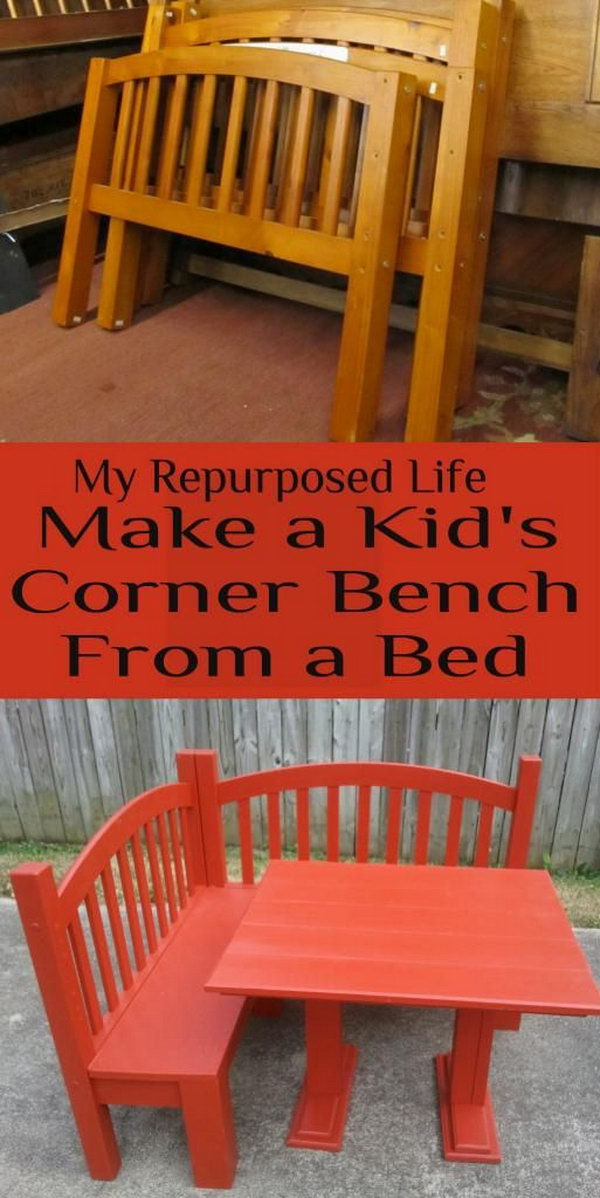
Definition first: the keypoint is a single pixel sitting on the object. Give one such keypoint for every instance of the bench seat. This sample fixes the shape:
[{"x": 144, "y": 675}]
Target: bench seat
[{"x": 172, "y": 1029}]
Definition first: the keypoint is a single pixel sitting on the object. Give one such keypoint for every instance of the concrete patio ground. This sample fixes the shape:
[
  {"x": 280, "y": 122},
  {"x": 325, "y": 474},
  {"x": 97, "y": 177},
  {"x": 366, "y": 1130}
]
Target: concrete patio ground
[{"x": 545, "y": 1083}]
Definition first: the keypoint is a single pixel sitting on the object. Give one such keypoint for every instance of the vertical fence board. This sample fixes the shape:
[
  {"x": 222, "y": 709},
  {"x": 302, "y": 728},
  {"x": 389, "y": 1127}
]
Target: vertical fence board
[{"x": 65, "y": 766}]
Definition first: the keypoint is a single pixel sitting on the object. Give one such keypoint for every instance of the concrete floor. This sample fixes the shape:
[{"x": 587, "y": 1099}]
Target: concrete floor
[{"x": 545, "y": 1080}]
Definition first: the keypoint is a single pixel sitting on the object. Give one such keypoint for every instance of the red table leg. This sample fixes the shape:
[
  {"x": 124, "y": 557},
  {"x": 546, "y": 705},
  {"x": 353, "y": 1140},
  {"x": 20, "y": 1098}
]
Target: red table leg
[
  {"x": 320, "y": 1114},
  {"x": 466, "y": 1111}
]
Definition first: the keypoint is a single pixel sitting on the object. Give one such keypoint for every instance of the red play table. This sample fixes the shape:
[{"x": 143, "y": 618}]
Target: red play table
[{"x": 492, "y": 944}]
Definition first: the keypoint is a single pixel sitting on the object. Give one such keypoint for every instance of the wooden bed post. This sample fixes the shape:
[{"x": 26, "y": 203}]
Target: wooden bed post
[
  {"x": 81, "y": 231},
  {"x": 39, "y": 907},
  {"x": 445, "y": 306},
  {"x": 528, "y": 781},
  {"x": 200, "y": 768},
  {"x": 365, "y": 329},
  {"x": 486, "y": 197}
]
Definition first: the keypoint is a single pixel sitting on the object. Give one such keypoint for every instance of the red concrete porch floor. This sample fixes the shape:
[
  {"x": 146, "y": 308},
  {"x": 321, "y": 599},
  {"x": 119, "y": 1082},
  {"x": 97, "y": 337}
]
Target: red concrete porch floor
[{"x": 214, "y": 362}]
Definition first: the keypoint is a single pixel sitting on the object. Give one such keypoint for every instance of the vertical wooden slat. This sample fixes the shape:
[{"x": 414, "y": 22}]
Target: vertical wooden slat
[
  {"x": 159, "y": 901},
  {"x": 423, "y": 825},
  {"x": 430, "y": 121},
  {"x": 484, "y": 832},
  {"x": 363, "y": 823},
  {"x": 131, "y": 157},
  {"x": 262, "y": 151},
  {"x": 143, "y": 890},
  {"x": 333, "y": 823},
  {"x": 294, "y": 180},
  {"x": 453, "y": 831},
  {"x": 146, "y": 147},
  {"x": 199, "y": 139},
  {"x": 392, "y": 839},
  {"x": 171, "y": 138},
  {"x": 186, "y": 840},
  {"x": 84, "y": 971},
  {"x": 116, "y": 925},
  {"x": 412, "y": 163},
  {"x": 232, "y": 144},
  {"x": 167, "y": 865},
  {"x": 101, "y": 949},
  {"x": 274, "y": 824},
  {"x": 133, "y": 918},
  {"x": 332, "y": 193},
  {"x": 303, "y": 824},
  {"x": 176, "y": 857},
  {"x": 246, "y": 852},
  {"x": 122, "y": 137}
]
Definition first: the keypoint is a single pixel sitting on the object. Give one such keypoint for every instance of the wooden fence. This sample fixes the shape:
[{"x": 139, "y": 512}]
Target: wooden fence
[{"x": 64, "y": 766}]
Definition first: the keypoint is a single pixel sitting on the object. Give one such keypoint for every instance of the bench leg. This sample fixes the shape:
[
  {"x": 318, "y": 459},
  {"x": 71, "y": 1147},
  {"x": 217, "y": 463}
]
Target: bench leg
[
  {"x": 208, "y": 1118},
  {"x": 96, "y": 1132},
  {"x": 320, "y": 1115},
  {"x": 466, "y": 1111}
]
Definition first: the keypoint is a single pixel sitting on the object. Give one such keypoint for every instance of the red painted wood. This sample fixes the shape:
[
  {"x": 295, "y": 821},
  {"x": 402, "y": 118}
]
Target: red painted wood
[
  {"x": 246, "y": 849},
  {"x": 101, "y": 949},
  {"x": 363, "y": 823},
  {"x": 143, "y": 891},
  {"x": 453, "y": 831},
  {"x": 162, "y": 1040},
  {"x": 394, "y": 826},
  {"x": 473, "y": 938},
  {"x": 116, "y": 926},
  {"x": 423, "y": 827},
  {"x": 156, "y": 877},
  {"x": 396, "y": 778},
  {"x": 303, "y": 825},
  {"x": 200, "y": 769},
  {"x": 133, "y": 918},
  {"x": 320, "y": 1114},
  {"x": 333, "y": 823},
  {"x": 484, "y": 834},
  {"x": 84, "y": 971},
  {"x": 165, "y": 858}
]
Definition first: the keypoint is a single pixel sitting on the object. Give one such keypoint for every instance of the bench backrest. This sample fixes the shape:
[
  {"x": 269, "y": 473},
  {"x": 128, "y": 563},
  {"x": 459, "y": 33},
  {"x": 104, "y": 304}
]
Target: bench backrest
[
  {"x": 287, "y": 806},
  {"x": 93, "y": 938},
  {"x": 439, "y": 53}
]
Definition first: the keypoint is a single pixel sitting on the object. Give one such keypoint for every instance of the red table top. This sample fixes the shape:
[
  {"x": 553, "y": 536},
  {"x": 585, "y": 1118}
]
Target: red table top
[{"x": 415, "y": 935}]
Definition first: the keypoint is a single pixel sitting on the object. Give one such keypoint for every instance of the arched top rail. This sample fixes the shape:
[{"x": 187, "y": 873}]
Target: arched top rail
[
  {"x": 407, "y": 33},
  {"x": 333, "y": 78},
  {"x": 397, "y": 776},
  {"x": 113, "y": 835}
]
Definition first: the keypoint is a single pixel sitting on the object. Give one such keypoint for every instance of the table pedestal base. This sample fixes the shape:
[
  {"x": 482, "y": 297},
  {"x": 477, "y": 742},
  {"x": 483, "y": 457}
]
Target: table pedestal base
[
  {"x": 319, "y": 1119},
  {"x": 468, "y": 1130}
]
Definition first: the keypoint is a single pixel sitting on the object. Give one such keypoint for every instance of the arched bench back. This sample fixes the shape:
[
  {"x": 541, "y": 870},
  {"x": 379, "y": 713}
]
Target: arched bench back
[{"x": 319, "y": 798}]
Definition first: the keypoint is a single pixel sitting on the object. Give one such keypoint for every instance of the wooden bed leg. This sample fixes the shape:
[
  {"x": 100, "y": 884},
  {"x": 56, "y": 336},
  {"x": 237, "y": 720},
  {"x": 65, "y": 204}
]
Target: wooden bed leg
[
  {"x": 120, "y": 275},
  {"x": 81, "y": 231},
  {"x": 365, "y": 329},
  {"x": 445, "y": 308},
  {"x": 583, "y": 399},
  {"x": 487, "y": 194},
  {"x": 154, "y": 267},
  {"x": 208, "y": 1118}
]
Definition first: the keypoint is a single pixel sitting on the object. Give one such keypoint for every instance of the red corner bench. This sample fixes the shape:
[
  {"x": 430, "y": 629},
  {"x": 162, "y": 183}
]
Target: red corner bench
[
  {"x": 123, "y": 987},
  {"x": 123, "y": 983}
]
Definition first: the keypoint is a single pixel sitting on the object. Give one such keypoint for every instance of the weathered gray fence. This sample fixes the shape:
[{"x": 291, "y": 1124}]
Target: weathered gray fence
[{"x": 64, "y": 766}]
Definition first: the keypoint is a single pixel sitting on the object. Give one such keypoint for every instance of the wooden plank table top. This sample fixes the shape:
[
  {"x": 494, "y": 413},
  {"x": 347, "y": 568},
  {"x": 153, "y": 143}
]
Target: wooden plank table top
[{"x": 416, "y": 935}]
